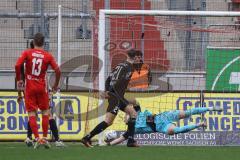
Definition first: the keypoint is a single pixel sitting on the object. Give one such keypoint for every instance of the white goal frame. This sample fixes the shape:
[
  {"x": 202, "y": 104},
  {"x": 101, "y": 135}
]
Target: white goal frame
[{"x": 101, "y": 37}]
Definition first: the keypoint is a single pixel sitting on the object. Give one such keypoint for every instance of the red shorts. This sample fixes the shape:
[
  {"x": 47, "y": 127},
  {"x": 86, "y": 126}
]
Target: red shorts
[{"x": 36, "y": 99}]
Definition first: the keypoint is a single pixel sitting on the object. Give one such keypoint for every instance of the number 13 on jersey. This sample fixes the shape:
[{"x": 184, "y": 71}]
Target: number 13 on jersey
[{"x": 36, "y": 66}]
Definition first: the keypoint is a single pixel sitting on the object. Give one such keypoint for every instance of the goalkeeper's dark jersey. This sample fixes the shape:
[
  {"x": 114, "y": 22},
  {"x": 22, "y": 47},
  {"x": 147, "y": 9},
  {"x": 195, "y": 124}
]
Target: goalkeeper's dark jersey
[{"x": 119, "y": 78}]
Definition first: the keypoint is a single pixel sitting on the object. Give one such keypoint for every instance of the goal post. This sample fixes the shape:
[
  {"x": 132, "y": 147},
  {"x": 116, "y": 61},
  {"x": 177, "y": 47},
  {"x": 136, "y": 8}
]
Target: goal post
[
  {"x": 59, "y": 61},
  {"x": 188, "y": 73}
]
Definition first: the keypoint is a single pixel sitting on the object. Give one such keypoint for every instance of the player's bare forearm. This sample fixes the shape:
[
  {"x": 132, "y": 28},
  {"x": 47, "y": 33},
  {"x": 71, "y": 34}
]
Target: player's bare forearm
[
  {"x": 57, "y": 79},
  {"x": 20, "y": 85},
  {"x": 104, "y": 94},
  {"x": 117, "y": 141},
  {"x": 19, "y": 94},
  {"x": 132, "y": 101},
  {"x": 58, "y": 75},
  {"x": 19, "y": 99}
]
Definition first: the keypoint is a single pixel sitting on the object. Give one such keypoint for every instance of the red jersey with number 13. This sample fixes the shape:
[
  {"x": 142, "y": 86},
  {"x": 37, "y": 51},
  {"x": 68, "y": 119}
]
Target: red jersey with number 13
[{"x": 36, "y": 64}]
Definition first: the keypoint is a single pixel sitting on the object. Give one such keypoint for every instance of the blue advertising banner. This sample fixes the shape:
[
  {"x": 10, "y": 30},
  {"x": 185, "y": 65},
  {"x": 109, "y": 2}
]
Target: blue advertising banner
[{"x": 223, "y": 128}]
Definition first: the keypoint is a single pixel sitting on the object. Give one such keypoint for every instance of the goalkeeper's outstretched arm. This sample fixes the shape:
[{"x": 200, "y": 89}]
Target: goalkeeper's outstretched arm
[{"x": 119, "y": 140}]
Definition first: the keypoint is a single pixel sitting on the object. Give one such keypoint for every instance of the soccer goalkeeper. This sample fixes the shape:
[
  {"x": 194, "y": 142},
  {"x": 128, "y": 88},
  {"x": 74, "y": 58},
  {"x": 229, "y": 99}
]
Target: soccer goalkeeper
[{"x": 147, "y": 122}]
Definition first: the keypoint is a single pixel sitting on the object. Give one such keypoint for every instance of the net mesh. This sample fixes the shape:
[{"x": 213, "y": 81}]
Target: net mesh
[{"x": 186, "y": 54}]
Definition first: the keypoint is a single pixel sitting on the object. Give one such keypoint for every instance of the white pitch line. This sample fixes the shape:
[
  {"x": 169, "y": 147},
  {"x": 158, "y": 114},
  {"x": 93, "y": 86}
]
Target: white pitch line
[{"x": 223, "y": 69}]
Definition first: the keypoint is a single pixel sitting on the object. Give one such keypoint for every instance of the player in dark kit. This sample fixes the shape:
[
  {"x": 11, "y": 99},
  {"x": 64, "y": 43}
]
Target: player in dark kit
[{"x": 115, "y": 86}]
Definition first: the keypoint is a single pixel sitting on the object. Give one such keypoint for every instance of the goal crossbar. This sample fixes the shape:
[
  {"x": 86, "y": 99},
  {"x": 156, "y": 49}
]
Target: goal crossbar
[{"x": 169, "y": 13}]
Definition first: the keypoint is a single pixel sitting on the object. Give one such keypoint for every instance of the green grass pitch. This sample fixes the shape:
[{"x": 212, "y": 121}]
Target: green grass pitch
[{"x": 75, "y": 151}]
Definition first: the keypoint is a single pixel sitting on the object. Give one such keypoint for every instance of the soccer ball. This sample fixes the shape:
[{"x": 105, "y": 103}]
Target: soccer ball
[{"x": 110, "y": 135}]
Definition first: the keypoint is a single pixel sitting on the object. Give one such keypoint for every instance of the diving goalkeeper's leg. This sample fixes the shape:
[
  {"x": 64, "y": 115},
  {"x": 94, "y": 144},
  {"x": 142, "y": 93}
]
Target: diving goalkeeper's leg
[
  {"x": 172, "y": 129},
  {"x": 199, "y": 110}
]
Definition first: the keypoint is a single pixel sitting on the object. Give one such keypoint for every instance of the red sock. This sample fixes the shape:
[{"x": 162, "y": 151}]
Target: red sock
[
  {"x": 45, "y": 122},
  {"x": 34, "y": 126}
]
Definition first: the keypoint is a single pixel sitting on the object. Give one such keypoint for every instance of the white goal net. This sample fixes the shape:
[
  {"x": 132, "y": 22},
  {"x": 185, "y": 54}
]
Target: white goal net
[{"x": 188, "y": 52}]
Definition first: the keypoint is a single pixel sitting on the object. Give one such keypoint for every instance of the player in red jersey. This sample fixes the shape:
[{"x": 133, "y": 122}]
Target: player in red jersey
[
  {"x": 35, "y": 88},
  {"x": 52, "y": 122}
]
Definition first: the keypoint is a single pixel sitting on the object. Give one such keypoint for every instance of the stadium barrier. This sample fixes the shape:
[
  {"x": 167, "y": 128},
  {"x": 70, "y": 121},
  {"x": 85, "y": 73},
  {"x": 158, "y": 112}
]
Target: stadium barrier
[{"x": 76, "y": 117}]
